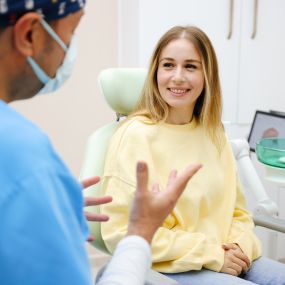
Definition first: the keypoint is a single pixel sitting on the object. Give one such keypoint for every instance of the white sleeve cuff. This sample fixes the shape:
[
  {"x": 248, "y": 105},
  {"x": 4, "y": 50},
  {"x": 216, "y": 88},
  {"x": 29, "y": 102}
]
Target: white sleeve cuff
[{"x": 129, "y": 264}]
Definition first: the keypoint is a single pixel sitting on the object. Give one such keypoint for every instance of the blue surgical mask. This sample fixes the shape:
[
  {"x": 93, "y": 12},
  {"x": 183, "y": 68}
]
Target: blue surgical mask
[{"x": 64, "y": 71}]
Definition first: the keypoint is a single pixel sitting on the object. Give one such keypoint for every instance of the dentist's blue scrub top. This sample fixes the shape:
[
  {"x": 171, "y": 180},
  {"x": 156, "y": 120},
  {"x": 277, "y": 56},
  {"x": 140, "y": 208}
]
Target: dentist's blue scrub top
[{"x": 42, "y": 225}]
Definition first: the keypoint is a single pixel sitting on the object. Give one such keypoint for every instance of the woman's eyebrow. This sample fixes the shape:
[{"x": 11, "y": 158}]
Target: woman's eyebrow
[
  {"x": 187, "y": 60},
  {"x": 166, "y": 58},
  {"x": 193, "y": 60}
]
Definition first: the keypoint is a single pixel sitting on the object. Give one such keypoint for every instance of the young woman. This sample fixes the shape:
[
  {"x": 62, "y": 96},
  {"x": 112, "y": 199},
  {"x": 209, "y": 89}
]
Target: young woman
[{"x": 208, "y": 238}]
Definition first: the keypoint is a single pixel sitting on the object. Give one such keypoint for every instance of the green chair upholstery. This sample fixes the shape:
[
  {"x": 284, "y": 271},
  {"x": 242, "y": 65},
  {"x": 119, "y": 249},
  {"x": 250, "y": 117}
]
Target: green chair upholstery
[{"x": 121, "y": 88}]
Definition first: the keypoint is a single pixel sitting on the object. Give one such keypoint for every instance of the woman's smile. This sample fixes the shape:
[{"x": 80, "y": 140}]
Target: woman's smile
[{"x": 178, "y": 92}]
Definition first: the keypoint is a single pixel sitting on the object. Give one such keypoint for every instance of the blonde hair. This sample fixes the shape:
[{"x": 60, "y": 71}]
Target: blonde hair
[{"x": 208, "y": 108}]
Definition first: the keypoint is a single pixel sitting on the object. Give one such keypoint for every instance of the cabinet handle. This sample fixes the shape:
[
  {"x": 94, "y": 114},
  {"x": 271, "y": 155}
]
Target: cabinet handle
[
  {"x": 231, "y": 17},
  {"x": 255, "y": 14}
]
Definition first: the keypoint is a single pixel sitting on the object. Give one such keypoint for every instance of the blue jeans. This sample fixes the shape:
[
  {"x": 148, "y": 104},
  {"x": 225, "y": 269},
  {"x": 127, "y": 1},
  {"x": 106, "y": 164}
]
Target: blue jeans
[{"x": 263, "y": 271}]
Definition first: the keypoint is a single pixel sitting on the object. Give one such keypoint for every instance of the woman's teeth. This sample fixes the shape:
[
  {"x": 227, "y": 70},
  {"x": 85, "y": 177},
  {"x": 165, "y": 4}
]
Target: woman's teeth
[{"x": 178, "y": 91}]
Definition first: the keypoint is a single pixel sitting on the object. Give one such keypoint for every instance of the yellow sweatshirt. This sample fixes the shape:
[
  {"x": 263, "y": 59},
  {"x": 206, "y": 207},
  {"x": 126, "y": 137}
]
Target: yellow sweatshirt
[{"x": 210, "y": 212}]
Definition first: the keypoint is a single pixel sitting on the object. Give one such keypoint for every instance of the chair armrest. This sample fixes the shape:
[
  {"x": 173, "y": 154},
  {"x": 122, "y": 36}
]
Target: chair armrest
[
  {"x": 250, "y": 178},
  {"x": 269, "y": 223}
]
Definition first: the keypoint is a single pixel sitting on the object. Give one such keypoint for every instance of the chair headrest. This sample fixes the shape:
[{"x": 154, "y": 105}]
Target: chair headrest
[{"x": 122, "y": 87}]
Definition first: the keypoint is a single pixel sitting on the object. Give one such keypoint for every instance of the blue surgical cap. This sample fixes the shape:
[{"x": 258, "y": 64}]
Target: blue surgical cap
[{"x": 12, "y": 10}]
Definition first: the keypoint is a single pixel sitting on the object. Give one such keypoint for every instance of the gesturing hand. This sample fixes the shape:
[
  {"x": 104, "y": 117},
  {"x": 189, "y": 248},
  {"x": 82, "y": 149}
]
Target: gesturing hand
[
  {"x": 150, "y": 208},
  {"x": 235, "y": 262},
  {"x": 94, "y": 201}
]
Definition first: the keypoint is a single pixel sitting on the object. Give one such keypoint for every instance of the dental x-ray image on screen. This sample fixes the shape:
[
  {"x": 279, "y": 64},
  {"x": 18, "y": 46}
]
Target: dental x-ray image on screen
[{"x": 266, "y": 125}]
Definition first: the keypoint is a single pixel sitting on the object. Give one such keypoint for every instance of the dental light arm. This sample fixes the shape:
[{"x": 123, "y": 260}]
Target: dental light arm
[{"x": 265, "y": 206}]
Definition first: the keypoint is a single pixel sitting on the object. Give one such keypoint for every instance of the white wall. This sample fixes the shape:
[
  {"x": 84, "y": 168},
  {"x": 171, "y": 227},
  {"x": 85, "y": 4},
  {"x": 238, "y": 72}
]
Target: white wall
[
  {"x": 76, "y": 110},
  {"x": 128, "y": 38}
]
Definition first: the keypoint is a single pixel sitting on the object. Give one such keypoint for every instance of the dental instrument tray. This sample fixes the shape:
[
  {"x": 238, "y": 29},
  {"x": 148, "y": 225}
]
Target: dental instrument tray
[{"x": 271, "y": 151}]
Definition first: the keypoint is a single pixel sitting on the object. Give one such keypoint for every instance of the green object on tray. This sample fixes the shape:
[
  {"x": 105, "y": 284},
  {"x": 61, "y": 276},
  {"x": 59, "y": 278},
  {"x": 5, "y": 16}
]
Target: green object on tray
[{"x": 271, "y": 151}]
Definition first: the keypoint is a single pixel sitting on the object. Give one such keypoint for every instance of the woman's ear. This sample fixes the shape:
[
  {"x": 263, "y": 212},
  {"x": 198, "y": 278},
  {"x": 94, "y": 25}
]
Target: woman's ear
[{"x": 25, "y": 31}]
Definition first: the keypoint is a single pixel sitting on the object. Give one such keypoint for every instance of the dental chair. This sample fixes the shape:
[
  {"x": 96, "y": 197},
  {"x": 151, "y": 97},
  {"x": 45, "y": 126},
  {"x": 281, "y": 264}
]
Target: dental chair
[{"x": 121, "y": 88}]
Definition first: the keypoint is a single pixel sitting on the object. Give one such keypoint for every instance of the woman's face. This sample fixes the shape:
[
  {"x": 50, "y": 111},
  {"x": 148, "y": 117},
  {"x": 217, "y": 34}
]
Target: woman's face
[{"x": 180, "y": 77}]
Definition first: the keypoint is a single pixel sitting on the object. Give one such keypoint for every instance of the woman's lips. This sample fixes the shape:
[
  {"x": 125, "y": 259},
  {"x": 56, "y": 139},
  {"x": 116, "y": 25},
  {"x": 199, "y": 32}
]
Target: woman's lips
[{"x": 178, "y": 92}]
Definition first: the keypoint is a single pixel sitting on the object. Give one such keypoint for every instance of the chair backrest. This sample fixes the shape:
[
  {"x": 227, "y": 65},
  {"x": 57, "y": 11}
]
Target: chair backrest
[{"x": 121, "y": 88}]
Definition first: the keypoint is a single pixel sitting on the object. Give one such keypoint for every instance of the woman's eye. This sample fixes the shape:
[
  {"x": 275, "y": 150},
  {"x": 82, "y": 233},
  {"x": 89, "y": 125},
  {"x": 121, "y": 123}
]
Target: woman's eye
[
  {"x": 191, "y": 66},
  {"x": 168, "y": 65}
]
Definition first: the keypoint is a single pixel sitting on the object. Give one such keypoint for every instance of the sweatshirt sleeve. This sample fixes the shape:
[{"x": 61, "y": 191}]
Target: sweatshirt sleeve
[
  {"x": 197, "y": 251},
  {"x": 241, "y": 231}
]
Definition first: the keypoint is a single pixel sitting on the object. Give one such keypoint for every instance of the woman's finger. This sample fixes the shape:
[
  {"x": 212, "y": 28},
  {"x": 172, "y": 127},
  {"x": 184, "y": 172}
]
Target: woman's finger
[
  {"x": 231, "y": 272},
  {"x": 237, "y": 268},
  {"x": 239, "y": 254},
  {"x": 240, "y": 263}
]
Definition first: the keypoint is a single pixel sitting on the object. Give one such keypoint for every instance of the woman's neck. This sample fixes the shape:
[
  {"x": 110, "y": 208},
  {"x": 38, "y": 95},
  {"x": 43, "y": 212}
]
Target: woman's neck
[{"x": 179, "y": 117}]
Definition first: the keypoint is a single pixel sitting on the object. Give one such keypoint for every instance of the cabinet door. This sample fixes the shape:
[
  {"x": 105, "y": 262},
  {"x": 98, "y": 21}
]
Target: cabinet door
[
  {"x": 262, "y": 59},
  {"x": 157, "y": 16}
]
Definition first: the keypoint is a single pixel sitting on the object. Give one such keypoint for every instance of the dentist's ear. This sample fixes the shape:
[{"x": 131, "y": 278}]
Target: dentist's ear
[{"x": 26, "y": 33}]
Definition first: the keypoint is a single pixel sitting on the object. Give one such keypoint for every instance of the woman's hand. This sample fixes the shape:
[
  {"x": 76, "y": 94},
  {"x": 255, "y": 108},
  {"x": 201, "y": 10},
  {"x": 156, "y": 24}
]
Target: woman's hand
[{"x": 235, "y": 261}]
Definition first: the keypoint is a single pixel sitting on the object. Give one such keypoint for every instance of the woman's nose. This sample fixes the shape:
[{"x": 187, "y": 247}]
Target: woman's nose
[{"x": 178, "y": 75}]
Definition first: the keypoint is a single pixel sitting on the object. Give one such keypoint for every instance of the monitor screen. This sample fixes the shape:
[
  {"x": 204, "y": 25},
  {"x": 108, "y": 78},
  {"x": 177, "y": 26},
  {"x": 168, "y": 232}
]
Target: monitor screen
[{"x": 266, "y": 125}]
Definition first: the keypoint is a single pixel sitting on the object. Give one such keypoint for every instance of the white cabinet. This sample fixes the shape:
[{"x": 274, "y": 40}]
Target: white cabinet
[
  {"x": 262, "y": 59},
  {"x": 251, "y": 70}
]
